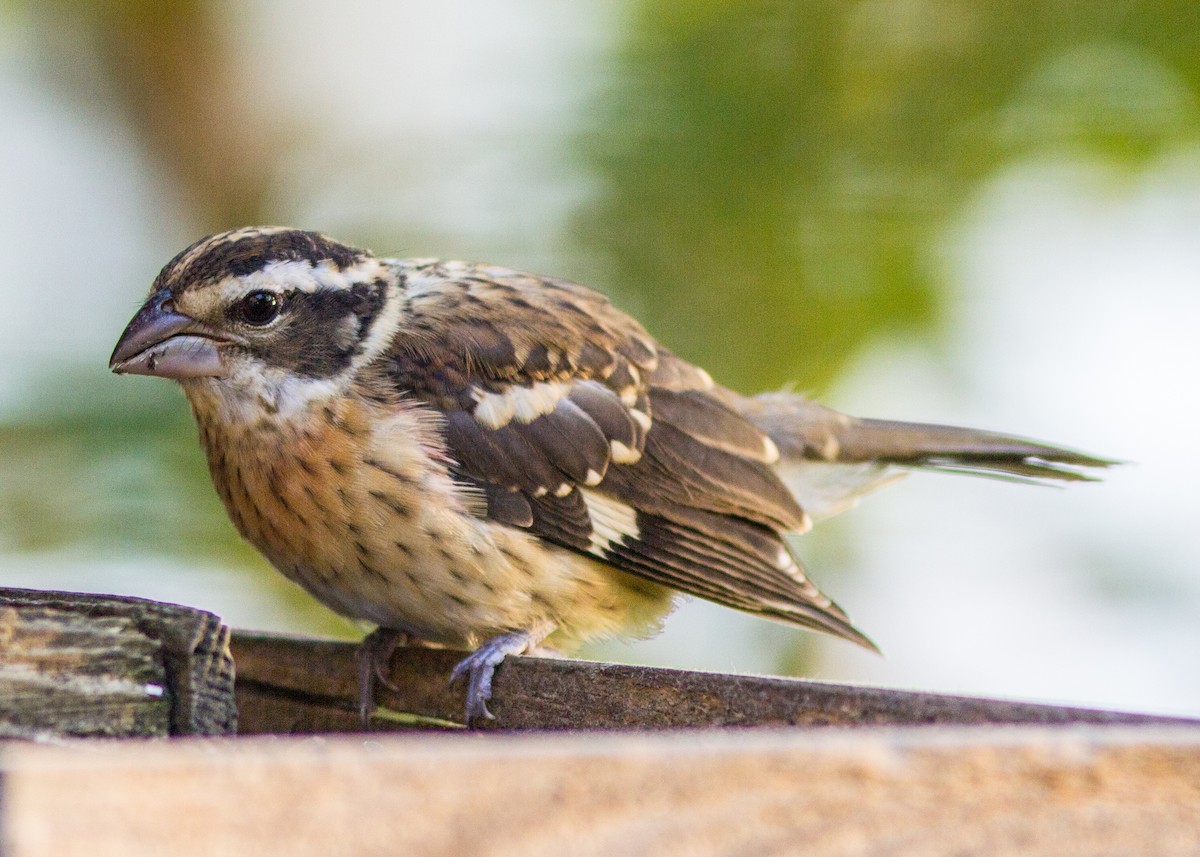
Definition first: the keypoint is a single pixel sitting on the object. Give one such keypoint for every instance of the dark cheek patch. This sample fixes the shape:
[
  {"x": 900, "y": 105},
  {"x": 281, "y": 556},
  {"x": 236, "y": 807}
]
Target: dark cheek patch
[{"x": 323, "y": 330}]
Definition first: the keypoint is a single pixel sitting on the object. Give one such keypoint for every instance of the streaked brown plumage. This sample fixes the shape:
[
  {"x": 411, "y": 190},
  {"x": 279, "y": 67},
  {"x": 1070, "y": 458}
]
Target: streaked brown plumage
[{"x": 479, "y": 457}]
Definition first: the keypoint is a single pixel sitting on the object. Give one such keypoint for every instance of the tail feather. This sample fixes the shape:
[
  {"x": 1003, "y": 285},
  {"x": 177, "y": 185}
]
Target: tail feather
[
  {"x": 952, "y": 449},
  {"x": 809, "y": 434}
]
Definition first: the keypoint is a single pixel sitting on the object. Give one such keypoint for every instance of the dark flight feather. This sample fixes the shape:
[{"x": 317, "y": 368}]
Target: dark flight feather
[{"x": 569, "y": 439}]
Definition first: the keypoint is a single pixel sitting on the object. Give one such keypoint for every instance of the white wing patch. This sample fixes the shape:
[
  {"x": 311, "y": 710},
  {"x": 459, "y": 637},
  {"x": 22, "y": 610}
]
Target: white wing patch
[
  {"x": 622, "y": 454},
  {"x": 643, "y": 419},
  {"x": 613, "y": 522},
  {"x": 493, "y": 410},
  {"x": 520, "y": 403}
]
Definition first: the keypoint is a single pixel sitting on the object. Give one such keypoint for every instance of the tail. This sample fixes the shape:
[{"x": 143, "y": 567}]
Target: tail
[
  {"x": 832, "y": 459},
  {"x": 960, "y": 450}
]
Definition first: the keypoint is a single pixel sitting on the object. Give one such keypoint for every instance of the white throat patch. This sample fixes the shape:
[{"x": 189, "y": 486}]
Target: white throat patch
[{"x": 251, "y": 393}]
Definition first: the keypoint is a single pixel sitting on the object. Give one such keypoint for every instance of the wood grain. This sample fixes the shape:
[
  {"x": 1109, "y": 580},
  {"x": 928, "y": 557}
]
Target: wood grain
[
  {"x": 1012, "y": 790},
  {"x": 94, "y": 665},
  {"x": 294, "y": 685}
]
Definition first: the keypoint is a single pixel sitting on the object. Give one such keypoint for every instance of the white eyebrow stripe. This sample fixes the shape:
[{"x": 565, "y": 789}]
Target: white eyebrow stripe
[{"x": 294, "y": 275}]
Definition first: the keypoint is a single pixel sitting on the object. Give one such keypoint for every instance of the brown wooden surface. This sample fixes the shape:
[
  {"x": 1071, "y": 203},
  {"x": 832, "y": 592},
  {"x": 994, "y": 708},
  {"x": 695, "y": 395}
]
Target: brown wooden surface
[
  {"x": 293, "y": 685},
  {"x": 964, "y": 776},
  {"x": 995, "y": 791},
  {"x": 92, "y": 665}
]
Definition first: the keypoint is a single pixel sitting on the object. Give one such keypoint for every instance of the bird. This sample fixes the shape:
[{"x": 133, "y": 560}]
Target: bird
[{"x": 470, "y": 456}]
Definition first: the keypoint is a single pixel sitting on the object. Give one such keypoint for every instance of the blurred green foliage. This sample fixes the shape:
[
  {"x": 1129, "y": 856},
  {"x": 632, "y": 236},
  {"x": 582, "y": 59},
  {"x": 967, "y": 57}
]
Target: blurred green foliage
[
  {"x": 774, "y": 174},
  {"x": 117, "y": 469}
]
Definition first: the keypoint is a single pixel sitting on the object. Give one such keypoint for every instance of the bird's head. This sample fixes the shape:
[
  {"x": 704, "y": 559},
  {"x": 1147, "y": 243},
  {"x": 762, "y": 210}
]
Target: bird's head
[{"x": 259, "y": 313}]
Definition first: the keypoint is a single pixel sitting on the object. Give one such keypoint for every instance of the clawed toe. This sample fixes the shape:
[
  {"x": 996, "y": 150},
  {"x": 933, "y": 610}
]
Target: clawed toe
[
  {"x": 382, "y": 676},
  {"x": 479, "y": 668},
  {"x": 374, "y": 653}
]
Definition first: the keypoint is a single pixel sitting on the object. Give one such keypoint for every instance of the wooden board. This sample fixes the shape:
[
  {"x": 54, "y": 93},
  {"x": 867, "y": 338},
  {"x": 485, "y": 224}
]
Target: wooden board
[
  {"x": 294, "y": 685},
  {"x": 963, "y": 776},
  {"x": 95, "y": 665},
  {"x": 996, "y": 791}
]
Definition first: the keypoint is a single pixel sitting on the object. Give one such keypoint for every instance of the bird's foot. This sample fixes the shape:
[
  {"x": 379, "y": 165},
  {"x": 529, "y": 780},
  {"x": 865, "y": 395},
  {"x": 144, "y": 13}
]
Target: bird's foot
[
  {"x": 480, "y": 666},
  {"x": 374, "y": 653}
]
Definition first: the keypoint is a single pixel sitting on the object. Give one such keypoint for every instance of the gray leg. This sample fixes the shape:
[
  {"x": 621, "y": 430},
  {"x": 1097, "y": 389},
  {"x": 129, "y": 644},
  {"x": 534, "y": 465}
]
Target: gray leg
[
  {"x": 374, "y": 652},
  {"x": 480, "y": 666}
]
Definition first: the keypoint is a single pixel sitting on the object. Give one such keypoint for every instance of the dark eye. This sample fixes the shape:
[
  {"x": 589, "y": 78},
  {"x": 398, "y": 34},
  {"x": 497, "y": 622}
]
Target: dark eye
[{"x": 258, "y": 308}]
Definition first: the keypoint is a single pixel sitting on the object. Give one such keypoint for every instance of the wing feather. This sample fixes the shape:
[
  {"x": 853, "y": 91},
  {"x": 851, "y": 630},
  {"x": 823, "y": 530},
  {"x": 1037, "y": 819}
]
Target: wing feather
[
  {"x": 570, "y": 440},
  {"x": 508, "y": 506},
  {"x": 680, "y": 469},
  {"x": 609, "y": 414},
  {"x": 564, "y": 520},
  {"x": 577, "y": 427},
  {"x": 713, "y": 423}
]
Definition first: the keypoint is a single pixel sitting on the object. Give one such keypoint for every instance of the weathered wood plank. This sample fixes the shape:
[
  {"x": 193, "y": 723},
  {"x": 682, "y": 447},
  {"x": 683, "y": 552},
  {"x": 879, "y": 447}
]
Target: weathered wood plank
[
  {"x": 92, "y": 665},
  {"x": 1030, "y": 791},
  {"x": 60, "y": 676},
  {"x": 292, "y": 685}
]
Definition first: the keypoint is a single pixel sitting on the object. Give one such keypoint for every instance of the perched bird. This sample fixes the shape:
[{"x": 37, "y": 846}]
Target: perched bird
[{"x": 478, "y": 457}]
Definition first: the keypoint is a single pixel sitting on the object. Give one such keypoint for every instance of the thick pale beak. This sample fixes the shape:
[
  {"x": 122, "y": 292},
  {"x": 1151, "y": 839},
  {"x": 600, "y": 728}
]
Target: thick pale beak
[{"x": 160, "y": 341}]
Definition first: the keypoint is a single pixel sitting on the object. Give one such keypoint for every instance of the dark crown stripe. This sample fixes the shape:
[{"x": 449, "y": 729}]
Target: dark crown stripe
[{"x": 225, "y": 255}]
